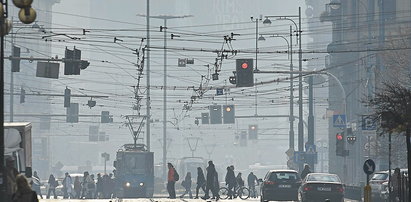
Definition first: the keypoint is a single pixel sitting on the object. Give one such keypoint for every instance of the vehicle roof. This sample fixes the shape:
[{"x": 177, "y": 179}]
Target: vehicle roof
[
  {"x": 14, "y": 124},
  {"x": 386, "y": 171},
  {"x": 283, "y": 170},
  {"x": 323, "y": 174}
]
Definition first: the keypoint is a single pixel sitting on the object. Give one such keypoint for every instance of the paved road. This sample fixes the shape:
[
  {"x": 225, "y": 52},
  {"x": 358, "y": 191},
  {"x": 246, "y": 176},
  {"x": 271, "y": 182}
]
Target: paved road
[{"x": 151, "y": 200}]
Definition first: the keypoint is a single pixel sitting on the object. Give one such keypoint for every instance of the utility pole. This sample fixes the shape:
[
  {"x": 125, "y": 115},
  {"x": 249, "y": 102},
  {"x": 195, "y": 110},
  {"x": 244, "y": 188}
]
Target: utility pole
[
  {"x": 310, "y": 141},
  {"x": 164, "y": 29},
  {"x": 148, "y": 100},
  {"x": 291, "y": 132},
  {"x": 300, "y": 92}
]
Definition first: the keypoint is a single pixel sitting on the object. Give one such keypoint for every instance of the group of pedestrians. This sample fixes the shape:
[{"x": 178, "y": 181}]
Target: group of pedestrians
[
  {"x": 209, "y": 182},
  {"x": 85, "y": 186}
]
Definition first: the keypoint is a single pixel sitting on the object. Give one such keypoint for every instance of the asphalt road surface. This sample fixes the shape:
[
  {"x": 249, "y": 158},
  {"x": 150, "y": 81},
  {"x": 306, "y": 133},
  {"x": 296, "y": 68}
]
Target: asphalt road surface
[{"x": 152, "y": 200}]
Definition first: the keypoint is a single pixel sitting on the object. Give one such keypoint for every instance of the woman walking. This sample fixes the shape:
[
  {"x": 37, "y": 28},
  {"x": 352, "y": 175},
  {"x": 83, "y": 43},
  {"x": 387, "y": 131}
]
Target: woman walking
[
  {"x": 24, "y": 192},
  {"x": 187, "y": 185},
  {"x": 201, "y": 182}
]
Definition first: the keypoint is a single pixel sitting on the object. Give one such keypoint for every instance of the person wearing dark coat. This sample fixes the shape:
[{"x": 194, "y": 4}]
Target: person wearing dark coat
[
  {"x": 230, "y": 181},
  {"x": 52, "y": 186},
  {"x": 186, "y": 183},
  {"x": 24, "y": 192},
  {"x": 251, "y": 181},
  {"x": 305, "y": 171},
  {"x": 210, "y": 184},
  {"x": 201, "y": 182}
]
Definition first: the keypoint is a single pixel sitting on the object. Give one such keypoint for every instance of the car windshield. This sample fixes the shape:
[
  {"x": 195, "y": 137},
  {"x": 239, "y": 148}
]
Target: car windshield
[
  {"x": 323, "y": 178},
  {"x": 379, "y": 176},
  {"x": 283, "y": 176}
]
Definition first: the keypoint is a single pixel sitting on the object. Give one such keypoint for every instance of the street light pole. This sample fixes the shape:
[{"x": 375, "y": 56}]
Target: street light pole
[
  {"x": 148, "y": 100},
  {"x": 164, "y": 29}
]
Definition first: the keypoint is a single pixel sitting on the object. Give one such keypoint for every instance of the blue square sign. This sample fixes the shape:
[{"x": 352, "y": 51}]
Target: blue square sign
[{"x": 339, "y": 121}]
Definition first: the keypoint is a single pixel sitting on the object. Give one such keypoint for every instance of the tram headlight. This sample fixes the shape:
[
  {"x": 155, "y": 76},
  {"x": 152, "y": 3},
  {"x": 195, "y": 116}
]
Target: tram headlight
[
  {"x": 141, "y": 184},
  {"x": 128, "y": 184}
]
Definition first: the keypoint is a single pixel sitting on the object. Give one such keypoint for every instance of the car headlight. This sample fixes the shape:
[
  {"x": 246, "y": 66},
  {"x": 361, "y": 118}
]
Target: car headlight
[
  {"x": 128, "y": 184},
  {"x": 141, "y": 184}
]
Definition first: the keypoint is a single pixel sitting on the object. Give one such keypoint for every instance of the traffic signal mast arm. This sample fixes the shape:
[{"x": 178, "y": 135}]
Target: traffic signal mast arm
[{"x": 43, "y": 59}]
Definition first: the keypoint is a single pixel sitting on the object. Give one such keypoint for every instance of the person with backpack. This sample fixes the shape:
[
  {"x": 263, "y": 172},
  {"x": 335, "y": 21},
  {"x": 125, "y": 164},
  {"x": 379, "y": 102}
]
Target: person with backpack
[
  {"x": 172, "y": 177},
  {"x": 186, "y": 183}
]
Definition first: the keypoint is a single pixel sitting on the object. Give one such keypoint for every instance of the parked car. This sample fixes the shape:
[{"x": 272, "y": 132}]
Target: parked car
[
  {"x": 379, "y": 184},
  {"x": 280, "y": 185},
  {"x": 321, "y": 186}
]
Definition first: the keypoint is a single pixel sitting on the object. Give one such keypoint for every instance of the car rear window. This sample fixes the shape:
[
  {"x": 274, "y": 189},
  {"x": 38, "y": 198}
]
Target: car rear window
[
  {"x": 283, "y": 176},
  {"x": 379, "y": 176},
  {"x": 323, "y": 178}
]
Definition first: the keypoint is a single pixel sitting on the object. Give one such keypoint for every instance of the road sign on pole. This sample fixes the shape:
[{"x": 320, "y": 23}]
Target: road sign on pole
[
  {"x": 339, "y": 121},
  {"x": 369, "y": 167},
  {"x": 368, "y": 123}
]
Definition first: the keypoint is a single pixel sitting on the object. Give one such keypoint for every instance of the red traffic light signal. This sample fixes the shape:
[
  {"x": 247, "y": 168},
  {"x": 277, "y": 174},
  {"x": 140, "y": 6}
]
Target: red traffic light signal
[
  {"x": 244, "y": 65},
  {"x": 339, "y": 136}
]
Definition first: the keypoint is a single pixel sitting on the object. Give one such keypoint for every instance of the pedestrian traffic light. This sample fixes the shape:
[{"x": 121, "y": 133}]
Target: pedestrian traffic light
[
  {"x": 244, "y": 73},
  {"x": 106, "y": 117},
  {"x": 228, "y": 114},
  {"x": 215, "y": 114},
  {"x": 253, "y": 132},
  {"x": 22, "y": 95},
  {"x": 340, "y": 144},
  {"x": 72, "y": 113},
  {"x": 232, "y": 79},
  {"x": 67, "y": 96},
  {"x": 205, "y": 118}
]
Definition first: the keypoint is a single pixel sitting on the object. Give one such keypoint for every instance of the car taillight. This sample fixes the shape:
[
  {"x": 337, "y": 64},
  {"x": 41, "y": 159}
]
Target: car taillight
[
  {"x": 269, "y": 182},
  {"x": 340, "y": 189},
  {"x": 307, "y": 188}
]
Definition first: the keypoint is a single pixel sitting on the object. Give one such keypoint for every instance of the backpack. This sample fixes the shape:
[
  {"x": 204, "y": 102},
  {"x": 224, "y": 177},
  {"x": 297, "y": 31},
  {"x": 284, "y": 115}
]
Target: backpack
[{"x": 176, "y": 176}]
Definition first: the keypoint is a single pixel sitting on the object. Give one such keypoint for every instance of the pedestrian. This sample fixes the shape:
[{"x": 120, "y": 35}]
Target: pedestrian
[
  {"x": 36, "y": 183},
  {"x": 67, "y": 186},
  {"x": 210, "y": 182},
  {"x": 24, "y": 192},
  {"x": 171, "y": 181},
  {"x": 186, "y": 183},
  {"x": 92, "y": 187},
  {"x": 395, "y": 184},
  {"x": 105, "y": 186},
  {"x": 305, "y": 171},
  {"x": 53, "y": 183},
  {"x": 77, "y": 187},
  {"x": 216, "y": 186},
  {"x": 112, "y": 185},
  {"x": 201, "y": 182},
  {"x": 252, "y": 180},
  {"x": 86, "y": 184},
  {"x": 239, "y": 180},
  {"x": 12, "y": 173},
  {"x": 99, "y": 186},
  {"x": 230, "y": 181}
]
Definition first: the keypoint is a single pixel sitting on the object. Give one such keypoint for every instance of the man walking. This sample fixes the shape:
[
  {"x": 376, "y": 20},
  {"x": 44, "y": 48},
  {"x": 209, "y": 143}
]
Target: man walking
[{"x": 230, "y": 181}]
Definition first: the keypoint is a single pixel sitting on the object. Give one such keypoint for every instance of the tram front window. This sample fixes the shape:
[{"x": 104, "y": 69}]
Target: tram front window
[{"x": 135, "y": 163}]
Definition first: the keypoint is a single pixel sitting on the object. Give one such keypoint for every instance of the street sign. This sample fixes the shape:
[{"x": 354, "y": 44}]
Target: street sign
[
  {"x": 220, "y": 91},
  {"x": 290, "y": 152},
  {"x": 299, "y": 157},
  {"x": 182, "y": 62},
  {"x": 310, "y": 149},
  {"x": 368, "y": 123},
  {"x": 339, "y": 121},
  {"x": 369, "y": 167}
]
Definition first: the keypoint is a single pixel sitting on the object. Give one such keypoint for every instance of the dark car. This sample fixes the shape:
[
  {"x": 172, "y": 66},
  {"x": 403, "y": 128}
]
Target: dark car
[
  {"x": 321, "y": 186},
  {"x": 280, "y": 185}
]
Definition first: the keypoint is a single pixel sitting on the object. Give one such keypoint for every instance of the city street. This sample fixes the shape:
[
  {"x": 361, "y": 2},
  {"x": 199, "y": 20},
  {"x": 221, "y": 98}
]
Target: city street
[{"x": 150, "y": 200}]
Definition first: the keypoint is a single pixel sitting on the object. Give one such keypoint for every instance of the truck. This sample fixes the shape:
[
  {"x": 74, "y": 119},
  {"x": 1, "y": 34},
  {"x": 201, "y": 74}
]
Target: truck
[
  {"x": 17, "y": 143},
  {"x": 134, "y": 172}
]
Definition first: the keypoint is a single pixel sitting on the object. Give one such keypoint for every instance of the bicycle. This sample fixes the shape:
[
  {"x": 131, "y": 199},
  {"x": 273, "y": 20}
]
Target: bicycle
[{"x": 242, "y": 192}]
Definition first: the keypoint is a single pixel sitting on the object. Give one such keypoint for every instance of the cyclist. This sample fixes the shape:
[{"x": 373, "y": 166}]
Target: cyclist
[
  {"x": 252, "y": 181},
  {"x": 230, "y": 181}
]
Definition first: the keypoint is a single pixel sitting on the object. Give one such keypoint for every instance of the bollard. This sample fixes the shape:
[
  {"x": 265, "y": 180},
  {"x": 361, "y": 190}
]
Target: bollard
[{"x": 367, "y": 193}]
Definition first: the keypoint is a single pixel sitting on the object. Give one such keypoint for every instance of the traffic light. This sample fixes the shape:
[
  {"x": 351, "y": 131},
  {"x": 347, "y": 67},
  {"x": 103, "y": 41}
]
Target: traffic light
[
  {"x": 340, "y": 144},
  {"x": 22, "y": 95},
  {"x": 351, "y": 139},
  {"x": 228, "y": 114},
  {"x": 215, "y": 114},
  {"x": 232, "y": 80},
  {"x": 253, "y": 132},
  {"x": 106, "y": 117},
  {"x": 67, "y": 96},
  {"x": 205, "y": 118},
  {"x": 244, "y": 73},
  {"x": 73, "y": 62},
  {"x": 72, "y": 113},
  {"x": 15, "y": 63}
]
